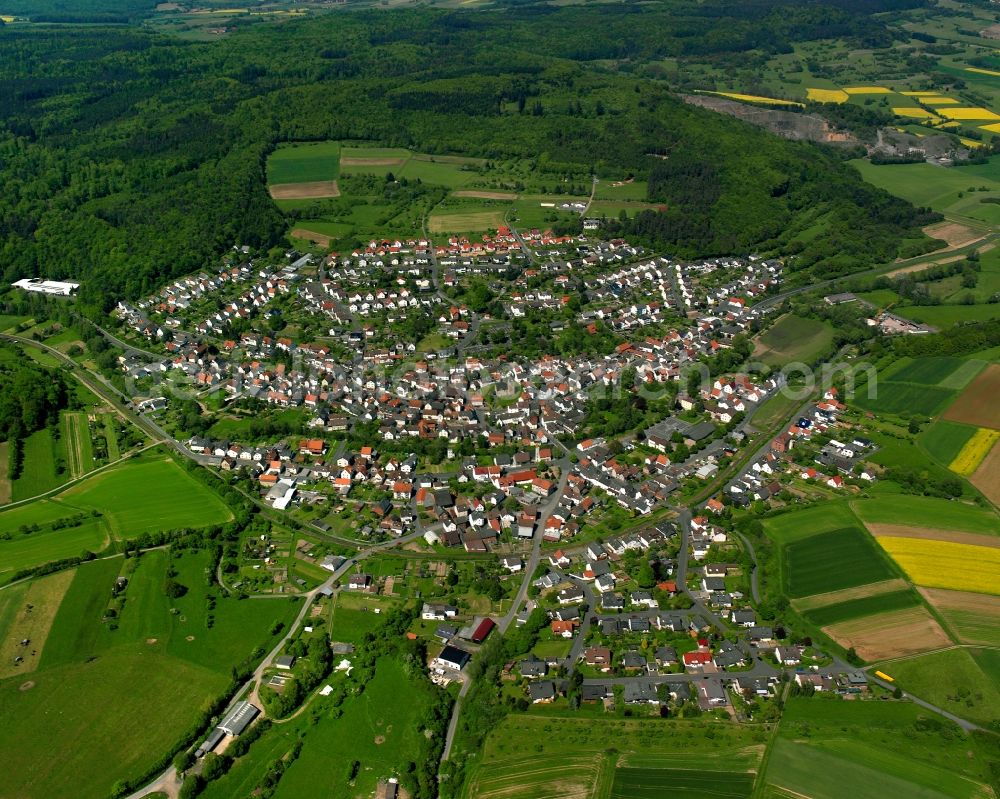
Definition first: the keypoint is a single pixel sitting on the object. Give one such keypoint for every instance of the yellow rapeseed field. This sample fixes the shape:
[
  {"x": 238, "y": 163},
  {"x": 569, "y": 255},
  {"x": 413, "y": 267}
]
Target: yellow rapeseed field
[
  {"x": 6, "y": 19},
  {"x": 994, "y": 128},
  {"x": 983, "y": 71},
  {"x": 942, "y": 564},
  {"x": 970, "y": 142},
  {"x": 969, "y": 113},
  {"x": 754, "y": 98},
  {"x": 922, "y": 113},
  {"x": 827, "y": 95},
  {"x": 975, "y": 449},
  {"x": 939, "y": 100},
  {"x": 867, "y": 90},
  {"x": 918, "y": 94}
]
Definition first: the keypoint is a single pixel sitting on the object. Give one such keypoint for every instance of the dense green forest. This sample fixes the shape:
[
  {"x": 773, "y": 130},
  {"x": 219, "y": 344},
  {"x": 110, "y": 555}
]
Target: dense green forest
[{"x": 128, "y": 158}]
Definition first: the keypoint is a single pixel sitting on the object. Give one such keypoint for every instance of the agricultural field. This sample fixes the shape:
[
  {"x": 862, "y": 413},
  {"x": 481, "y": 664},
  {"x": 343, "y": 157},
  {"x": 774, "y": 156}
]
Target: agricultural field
[
  {"x": 946, "y": 372},
  {"x": 987, "y": 477},
  {"x": 940, "y": 514},
  {"x": 793, "y": 339},
  {"x": 26, "y": 612},
  {"x": 106, "y": 675},
  {"x": 831, "y": 561},
  {"x": 953, "y": 680},
  {"x": 44, "y": 466},
  {"x": 304, "y": 171},
  {"x": 145, "y": 495},
  {"x": 905, "y": 398},
  {"x": 975, "y": 449},
  {"x": 831, "y": 749},
  {"x": 977, "y": 404},
  {"x": 944, "y": 440},
  {"x": 863, "y": 606},
  {"x": 809, "y": 603},
  {"x": 895, "y": 633},
  {"x": 974, "y": 618},
  {"x": 540, "y": 756},
  {"x": 788, "y": 527},
  {"x": 946, "y": 564},
  {"x": 653, "y": 783}
]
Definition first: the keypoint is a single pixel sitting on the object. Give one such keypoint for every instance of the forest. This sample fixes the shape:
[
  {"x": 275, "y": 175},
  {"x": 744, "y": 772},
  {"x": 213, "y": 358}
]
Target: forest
[{"x": 129, "y": 158}]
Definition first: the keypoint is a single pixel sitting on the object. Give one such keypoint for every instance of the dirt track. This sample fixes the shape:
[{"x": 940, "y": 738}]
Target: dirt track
[
  {"x": 318, "y": 189},
  {"x": 486, "y": 195}
]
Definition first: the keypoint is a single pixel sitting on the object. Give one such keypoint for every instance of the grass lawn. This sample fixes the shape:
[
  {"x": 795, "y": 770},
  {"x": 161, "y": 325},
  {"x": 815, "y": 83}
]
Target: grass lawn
[
  {"x": 952, "y": 680},
  {"x": 305, "y": 162},
  {"x": 375, "y": 728},
  {"x": 353, "y": 616},
  {"x": 831, "y": 561},
  {"x": 940, "y": 514},
  {"x": 793, "y": 338},
  {"x": 942, "y": 316},
  {"x": 774, "y": 410},
  {"x": 146, "y": 495}
]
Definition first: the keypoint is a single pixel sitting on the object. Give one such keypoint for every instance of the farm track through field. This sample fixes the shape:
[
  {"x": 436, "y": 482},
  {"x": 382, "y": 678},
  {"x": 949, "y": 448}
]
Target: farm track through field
[{"x": 846, "y": 594}]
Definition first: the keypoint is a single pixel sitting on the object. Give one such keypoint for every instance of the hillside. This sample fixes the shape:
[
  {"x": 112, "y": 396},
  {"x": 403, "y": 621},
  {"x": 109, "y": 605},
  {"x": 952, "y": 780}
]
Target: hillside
[{"x": 129, "y": 158}]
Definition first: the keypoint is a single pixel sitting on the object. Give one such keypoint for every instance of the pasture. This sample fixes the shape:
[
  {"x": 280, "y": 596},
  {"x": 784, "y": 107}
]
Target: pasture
[
  {"x": 383, "y": 733},
  {"x": 25, "y": 550},
  {"x": 653, "y": 783},
  {"x": 44, "y": 466},
  {"x": 974, "y": 618},
  {"x": 915, "y": 511},
  {"x": 944, "y": 564},
  {"x": 26, "y": 612},
  {"x": 147, "y": 495},
  {"x": 952, "y": 680},
  {"x": 892, "y": 634},
  {"x": 793, "y": 339},
  {"x": 977, "y": 404},
  {"x": 104, "y": 677},
  {"x": 830, "y": 561}
]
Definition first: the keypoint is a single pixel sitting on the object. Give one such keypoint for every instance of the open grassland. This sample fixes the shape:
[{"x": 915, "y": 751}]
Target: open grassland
[
  {"x": 914, "y": 511},
  {"x": 943, "y": 564},
  {"x": 831, "y": 561},
  {"x": 354, "y": 615},
  {"x": 944, "y": 440},
  {"x": 532, "y": 756},
  {"x": 375, "y": 728},
  {"x": 975, "y": 449},
  {"x": 865, "y": 606},
  {"x": 987, "y": 477},
  {"x": 26, "y": 613},
  {"x": 977, "y": 404},
  {"x": 889, "y": 635},
  {"x": 952, "y": 680},
  {"x": 304, "y": 163},
  {"x": 808, "y": 603},
  {"x": 653, "y": 783},
  {"x": 107, "y": 719},
  {"x": 793, "y": 338},
  {"x": 895, "y": 740},
  {"x": 974, "y": 618},
  {"x": 148, "y": 495}
]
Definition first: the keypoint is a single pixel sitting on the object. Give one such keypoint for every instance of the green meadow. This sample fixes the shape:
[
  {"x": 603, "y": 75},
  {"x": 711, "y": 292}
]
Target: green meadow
[
  {"x": 304, "y": 162},
  {"x": 125, "y": 688}
]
